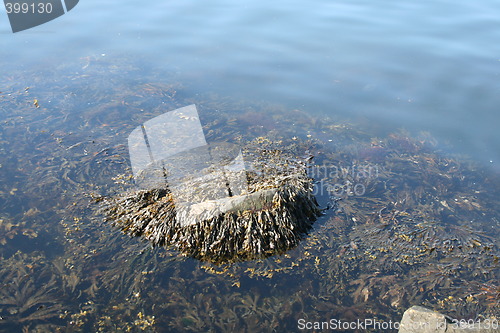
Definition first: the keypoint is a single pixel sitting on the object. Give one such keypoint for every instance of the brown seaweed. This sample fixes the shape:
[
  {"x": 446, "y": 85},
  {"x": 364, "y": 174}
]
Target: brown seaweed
[
  {"x": 243, "y": 234},
  {"x": 425, "y": 230}
]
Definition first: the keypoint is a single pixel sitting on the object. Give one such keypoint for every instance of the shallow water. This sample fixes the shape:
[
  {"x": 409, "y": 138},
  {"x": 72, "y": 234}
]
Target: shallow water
[
  {"x": 422, "y": 65},
  {"x": 293, "y": 70}
]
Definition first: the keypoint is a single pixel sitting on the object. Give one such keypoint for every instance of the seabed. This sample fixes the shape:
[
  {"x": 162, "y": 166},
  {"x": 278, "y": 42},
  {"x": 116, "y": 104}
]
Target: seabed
[{"x": 420, "y": 228}]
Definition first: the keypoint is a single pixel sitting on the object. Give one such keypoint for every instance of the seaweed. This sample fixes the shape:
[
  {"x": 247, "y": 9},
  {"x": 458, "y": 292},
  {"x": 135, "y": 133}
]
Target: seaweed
[{"x": 423, "y": 230}]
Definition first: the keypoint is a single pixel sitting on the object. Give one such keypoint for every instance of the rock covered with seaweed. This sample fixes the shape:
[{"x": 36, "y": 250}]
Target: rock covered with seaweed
[{"x": 271, "y": 218}]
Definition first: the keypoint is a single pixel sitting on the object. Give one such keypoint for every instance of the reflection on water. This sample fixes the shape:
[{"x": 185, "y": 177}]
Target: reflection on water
[{"x": 424, "y": 230}]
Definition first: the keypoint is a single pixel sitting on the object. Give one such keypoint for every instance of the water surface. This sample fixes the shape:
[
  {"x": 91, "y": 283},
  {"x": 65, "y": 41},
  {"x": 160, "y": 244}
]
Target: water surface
[{"x": 341, "y": 76}]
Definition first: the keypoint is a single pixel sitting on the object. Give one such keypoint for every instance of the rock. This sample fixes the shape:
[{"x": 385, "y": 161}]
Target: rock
[
  {"x": 418, "y": 319},
  {"x": 259, "y": 224},
  {"x": 213, "y": 208}
]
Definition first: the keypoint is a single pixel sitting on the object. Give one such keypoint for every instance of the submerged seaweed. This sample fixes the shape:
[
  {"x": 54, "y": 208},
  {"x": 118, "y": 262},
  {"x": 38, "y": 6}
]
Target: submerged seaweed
[{"x": 421, "y": 227}]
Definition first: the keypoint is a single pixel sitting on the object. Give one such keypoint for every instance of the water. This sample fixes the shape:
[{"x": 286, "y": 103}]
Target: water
[
  {"x": 421, "y": 65},
  {"x": 426, "y": 65}
]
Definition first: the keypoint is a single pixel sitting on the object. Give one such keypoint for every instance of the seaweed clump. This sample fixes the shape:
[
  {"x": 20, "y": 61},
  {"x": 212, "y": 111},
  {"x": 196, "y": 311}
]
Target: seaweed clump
[{"x": 270, "y": 218}]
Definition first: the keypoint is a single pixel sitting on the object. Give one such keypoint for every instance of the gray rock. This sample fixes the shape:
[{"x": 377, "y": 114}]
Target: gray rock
[{"x": 418, "y": 319}]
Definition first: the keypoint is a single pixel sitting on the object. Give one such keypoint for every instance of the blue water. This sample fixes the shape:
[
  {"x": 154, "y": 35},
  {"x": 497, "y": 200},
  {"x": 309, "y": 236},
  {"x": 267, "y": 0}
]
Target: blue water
[{"x": 421, "y": 65}]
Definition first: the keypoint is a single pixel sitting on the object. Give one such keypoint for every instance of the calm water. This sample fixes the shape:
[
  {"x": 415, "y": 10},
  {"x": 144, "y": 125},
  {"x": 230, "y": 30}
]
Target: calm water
[
  {"x": 421, "y": 65},
  {"x": 104, "y": 68}
]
